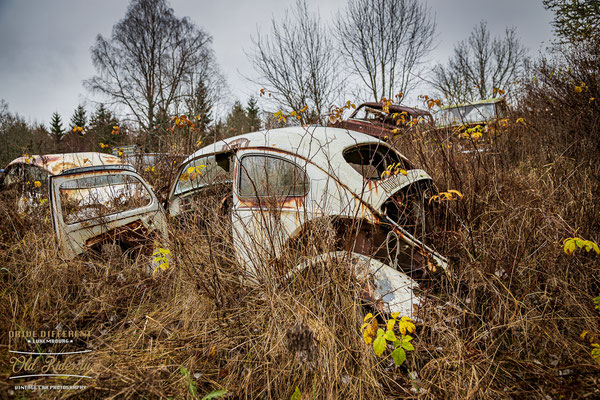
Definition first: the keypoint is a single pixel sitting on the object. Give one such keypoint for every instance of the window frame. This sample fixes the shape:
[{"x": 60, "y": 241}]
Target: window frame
[
  {"x": 239, "y": 172},
  {"x": 134, "y": 176},
  {"x": 185, "y": 165},
  {"x": 406, "y": 164}
]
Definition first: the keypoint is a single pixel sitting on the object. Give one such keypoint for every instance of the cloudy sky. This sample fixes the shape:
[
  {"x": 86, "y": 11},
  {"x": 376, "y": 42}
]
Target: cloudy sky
[{"x": 44, "y": 45}]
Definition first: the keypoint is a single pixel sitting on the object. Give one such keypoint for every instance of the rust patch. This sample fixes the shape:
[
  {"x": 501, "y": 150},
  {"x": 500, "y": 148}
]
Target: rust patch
[
  {"x": 55, "y": 164},
  {"x": 236, "y": 144},
  {"x": 288, "y": 203}
]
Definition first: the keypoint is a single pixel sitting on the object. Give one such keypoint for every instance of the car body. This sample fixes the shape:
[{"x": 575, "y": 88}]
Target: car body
[
  {"x": 372, "y": 119},
  {"x": 484, "y": 113},
  {"x": 280, "y": 182},
  {"x": 95, "y": 199}
]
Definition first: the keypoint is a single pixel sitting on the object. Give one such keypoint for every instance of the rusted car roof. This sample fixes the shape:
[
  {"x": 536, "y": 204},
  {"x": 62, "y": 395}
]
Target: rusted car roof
[
  {"x": 384, "y": 128},
  {"x": 396, "y": 108},
  {"x": 56, "y": 164}
]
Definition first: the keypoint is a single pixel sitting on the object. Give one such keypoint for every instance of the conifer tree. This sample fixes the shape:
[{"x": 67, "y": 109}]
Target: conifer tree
[
  {"x": 102, "y": 126},
  {"x": 237, "y": 120},
  {"x": 200, "y": 107},
  {"x": 56, "y": 128},
  {"x": 79, "y": 120},
  {"x": 252, "y": 111}
]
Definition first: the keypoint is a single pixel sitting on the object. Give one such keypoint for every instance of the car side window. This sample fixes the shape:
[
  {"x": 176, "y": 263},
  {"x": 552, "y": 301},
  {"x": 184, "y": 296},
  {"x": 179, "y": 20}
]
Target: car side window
[
  {"x": 268, "y": 176},
  {"x": 373, "y": 159},
  {"x": 204, "y": 171}
]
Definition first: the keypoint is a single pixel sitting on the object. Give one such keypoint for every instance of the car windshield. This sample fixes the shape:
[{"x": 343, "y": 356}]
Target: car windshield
[
  {"x": 101, "y": 195},
  {"x": 466, "y": 114},
  {"x": 378, "y": 116}
]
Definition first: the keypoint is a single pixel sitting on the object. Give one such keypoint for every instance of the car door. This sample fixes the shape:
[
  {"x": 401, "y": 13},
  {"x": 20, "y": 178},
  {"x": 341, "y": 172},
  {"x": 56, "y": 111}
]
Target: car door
[
  {"x": 269, "y": 204},
  {"x": 94, "y": 204}
]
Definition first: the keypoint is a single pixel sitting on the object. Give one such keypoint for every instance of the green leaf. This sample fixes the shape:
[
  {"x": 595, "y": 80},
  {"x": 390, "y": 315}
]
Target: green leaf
[
  {"x": 215, "y": 394},
  {"x": 389, "y": 336},
  {"x": 399, "y": 356},
  {"x": 408, "y": 346},
  {"x": 297, "y": 395},
  {"x": 379, "y": 345}
]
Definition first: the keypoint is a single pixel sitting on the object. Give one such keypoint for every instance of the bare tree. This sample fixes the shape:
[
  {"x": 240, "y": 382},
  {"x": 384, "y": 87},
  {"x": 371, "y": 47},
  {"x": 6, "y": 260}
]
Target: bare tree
[
  {"x": 479, "y": 65},
  {"x": 385, "y": 42},
  {"x": 147, "y": 60},
  {"x": 296, "y": 63}
]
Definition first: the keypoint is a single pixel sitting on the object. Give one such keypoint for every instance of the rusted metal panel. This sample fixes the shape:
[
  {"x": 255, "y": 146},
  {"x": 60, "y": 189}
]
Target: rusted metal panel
[
  {"x": 95, "y": 206},
  {"x": 56, "y": 164}
]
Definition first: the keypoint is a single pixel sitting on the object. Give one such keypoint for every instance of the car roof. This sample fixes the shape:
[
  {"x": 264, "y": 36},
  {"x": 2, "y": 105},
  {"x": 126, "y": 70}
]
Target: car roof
[
  {"x": 319, "y": 144},
  {"x": 395, "y": 108},
  {"x": 474, "y": 103},
  {"x": 55, "y": 164}
]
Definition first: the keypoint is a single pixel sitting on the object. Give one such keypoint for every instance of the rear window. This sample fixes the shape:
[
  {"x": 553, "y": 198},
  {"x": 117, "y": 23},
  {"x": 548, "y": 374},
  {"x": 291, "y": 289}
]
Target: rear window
[
  {"x": 373, "y": 159},
  {"x": 378, "y": 116},
  {"x": 98, "y": 196},
  {"x": 267, "y": 176}
]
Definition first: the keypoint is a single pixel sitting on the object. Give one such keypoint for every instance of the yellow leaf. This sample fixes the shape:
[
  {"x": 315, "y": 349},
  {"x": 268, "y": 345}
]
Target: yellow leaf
[
  {"x": 390, "y": 324},
  {"x": 456, "y": 192},
  {"x": 578, "y": 89},
  {"x": 37, "y": 184},
  {"x": 406, "y": 324},
  {"x": 569, "y": 246},
  {"x": 583, "y": 335}
]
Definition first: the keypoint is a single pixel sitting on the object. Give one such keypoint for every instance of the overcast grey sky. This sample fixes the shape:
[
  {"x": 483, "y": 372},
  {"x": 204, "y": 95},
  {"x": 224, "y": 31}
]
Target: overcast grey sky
[{"x": 44, "y": 45}]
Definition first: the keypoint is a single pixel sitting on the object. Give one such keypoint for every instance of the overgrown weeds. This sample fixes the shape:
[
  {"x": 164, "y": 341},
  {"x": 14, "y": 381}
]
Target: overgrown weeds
[{"x": 505, "y": 322}]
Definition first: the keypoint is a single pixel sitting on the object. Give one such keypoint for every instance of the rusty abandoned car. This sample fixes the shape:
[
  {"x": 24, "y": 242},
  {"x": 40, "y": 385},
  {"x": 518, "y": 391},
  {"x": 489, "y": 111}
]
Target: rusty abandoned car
[
  {"x": 485, "y": 113},
  {"x": 373, "y": 119},
  {"x": 95, "y": 199},
  {"x": 274, "y": 187},
  {"x": 280, "y": 182}
]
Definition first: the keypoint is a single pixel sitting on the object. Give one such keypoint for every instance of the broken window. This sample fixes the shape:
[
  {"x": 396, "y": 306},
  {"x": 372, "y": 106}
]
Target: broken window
[
  {"x": 268, "y": 176},
  {"x": 101, "y": 195},
  {"x": 204, "y": 171},
  {"x": 375, "y": 115},
  {"x": 373, "y": 159},
  {"x": 467, "y": 114}
]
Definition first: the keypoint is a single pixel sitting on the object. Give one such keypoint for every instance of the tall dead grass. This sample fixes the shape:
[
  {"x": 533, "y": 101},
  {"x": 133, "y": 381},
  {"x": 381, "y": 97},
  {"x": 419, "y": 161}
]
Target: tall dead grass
[{"x": 503, "y": 323}]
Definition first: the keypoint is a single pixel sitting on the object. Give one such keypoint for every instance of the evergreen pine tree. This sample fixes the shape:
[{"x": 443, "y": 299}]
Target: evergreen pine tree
[
  {"x": 237, "y": 120},
  {"x": 79, "y": 120},
  {"x": 56, "y": 129},
  {"x": 200, "y": 107},
  {"x": 252, "y": 111},
  {"x": 102, "y": 124}
]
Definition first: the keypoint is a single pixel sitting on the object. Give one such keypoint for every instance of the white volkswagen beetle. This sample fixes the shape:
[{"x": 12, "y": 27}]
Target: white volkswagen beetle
[{"x": 279, "y": 182}]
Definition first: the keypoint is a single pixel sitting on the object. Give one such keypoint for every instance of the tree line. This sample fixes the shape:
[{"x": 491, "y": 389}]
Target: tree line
[{"x": 155, "y": 66}]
